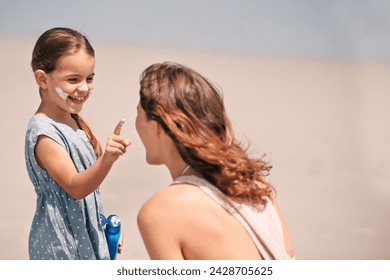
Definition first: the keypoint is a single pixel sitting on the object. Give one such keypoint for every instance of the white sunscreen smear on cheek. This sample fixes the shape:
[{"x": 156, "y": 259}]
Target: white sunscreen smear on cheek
[{"x": 62, "y": 94}]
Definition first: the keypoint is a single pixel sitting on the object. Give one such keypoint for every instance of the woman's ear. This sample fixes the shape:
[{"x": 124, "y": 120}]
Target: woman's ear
[
  {"x": 41, "y": 78},
  {"x": 157, "y": 128}
]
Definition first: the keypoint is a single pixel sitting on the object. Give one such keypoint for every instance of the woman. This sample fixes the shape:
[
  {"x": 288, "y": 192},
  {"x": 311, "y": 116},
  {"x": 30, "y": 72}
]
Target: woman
[{"x": 219, "y": 205}]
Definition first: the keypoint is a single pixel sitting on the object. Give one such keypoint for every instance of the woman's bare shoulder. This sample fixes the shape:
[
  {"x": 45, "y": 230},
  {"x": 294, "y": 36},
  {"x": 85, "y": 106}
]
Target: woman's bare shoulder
[
  {"x": 164, "y": 221},
  {"x": 173, "y": 198}
]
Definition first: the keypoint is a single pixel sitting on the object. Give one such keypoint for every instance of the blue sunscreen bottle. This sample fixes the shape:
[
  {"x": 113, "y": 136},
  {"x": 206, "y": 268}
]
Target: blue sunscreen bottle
[
  {"x": 113, "y": 233},
  {"x": 103, "y": 222}
]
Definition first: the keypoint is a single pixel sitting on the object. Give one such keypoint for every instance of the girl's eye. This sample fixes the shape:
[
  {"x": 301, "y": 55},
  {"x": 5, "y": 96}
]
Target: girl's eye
[
  {"x": 90, "y": 79},
  {"x": 72, "y": 80}
]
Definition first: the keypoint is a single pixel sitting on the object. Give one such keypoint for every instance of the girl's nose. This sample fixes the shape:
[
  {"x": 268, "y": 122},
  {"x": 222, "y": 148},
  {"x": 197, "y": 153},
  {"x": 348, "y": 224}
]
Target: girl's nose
[{"x": 84, "y": 87}]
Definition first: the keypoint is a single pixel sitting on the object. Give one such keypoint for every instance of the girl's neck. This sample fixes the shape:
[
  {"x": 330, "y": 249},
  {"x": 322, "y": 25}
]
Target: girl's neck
[{"x": 63, "y": 117}]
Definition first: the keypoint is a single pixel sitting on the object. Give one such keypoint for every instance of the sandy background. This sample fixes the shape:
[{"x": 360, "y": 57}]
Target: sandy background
[{"x": 324, "y": 125}]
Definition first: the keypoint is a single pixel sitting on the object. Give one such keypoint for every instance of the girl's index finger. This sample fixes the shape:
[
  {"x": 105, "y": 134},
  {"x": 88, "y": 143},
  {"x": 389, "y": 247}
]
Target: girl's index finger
[{"x": 118, "y": 127}]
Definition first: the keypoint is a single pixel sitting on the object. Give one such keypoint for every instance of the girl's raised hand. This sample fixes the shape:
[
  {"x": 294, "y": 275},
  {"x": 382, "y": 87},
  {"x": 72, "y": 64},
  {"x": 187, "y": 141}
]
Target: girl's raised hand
[{"x": 116, "y": 144}]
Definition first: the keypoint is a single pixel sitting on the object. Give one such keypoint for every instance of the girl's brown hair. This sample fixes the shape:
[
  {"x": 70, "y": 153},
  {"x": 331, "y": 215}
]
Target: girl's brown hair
[
  {"x": 49, "y": 48},
  {"x": 190, "y": 109}
]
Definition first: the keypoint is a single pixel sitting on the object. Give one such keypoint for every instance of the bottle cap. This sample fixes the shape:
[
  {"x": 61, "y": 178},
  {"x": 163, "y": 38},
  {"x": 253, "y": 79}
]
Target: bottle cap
[{"x": 113, "y": 224}]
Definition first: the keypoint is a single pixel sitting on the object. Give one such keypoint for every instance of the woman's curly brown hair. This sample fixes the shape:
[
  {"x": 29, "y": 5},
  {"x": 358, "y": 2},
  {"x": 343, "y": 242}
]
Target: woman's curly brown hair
[{"x": 190, "y": 109}]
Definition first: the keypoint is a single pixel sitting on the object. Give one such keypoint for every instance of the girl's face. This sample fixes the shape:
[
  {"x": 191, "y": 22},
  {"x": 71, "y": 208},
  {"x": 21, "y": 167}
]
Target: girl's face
[{"x": 70, "y": 85}]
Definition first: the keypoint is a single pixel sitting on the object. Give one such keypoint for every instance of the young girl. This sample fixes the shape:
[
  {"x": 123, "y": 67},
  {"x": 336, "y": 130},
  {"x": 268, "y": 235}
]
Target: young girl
[
  {"x": 64, "y": 159},
  {"x": 219, "y": 205}
]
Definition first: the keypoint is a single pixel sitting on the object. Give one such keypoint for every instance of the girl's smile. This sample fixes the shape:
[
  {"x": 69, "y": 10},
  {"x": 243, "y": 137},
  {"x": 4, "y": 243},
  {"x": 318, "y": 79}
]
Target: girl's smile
[{"x": 64, "y": 95}]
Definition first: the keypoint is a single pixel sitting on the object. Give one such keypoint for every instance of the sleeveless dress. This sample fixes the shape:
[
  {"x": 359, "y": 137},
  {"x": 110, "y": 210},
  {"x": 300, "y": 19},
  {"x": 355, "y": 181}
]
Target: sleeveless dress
[
  {"x": 63, "y": 227},
  {"x": 261, "y": 222}
]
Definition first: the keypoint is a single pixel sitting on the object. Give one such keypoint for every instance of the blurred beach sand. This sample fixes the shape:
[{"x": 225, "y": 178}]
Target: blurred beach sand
[{"x": 323, "y": 125}]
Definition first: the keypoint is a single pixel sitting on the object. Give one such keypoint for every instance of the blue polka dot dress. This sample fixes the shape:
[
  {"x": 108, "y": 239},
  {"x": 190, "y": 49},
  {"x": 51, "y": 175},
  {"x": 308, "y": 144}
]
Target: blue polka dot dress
[{"x": 63, "y": 227}]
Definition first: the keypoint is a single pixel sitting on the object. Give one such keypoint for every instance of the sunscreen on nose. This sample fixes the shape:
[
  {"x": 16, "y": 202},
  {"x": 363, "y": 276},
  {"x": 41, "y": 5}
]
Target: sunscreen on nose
[
  {"x": 84, "y": 87},
  {"x": 62, "y": 94}
]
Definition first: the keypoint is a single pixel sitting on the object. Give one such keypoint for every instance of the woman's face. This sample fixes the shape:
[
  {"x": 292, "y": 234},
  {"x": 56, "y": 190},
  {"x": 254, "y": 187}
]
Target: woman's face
[
  {"x": 70, "y": 85},
  {"x": 147, "y": 131}
]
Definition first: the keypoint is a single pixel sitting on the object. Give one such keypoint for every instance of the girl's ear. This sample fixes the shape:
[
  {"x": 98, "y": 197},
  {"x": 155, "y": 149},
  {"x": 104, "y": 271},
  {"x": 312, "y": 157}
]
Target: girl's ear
[{"x": 41, "y": 78}]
